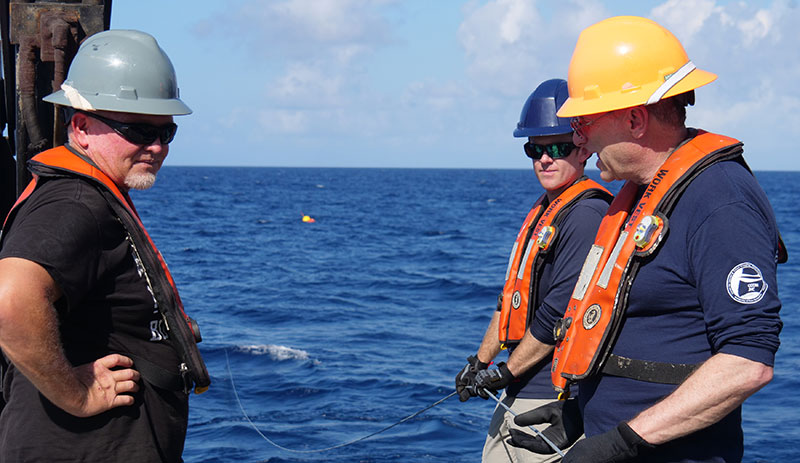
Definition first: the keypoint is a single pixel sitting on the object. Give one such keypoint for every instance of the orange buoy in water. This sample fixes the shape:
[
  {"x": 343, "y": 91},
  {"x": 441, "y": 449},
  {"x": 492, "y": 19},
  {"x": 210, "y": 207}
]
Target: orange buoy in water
[{"x": 308, "y": 219}]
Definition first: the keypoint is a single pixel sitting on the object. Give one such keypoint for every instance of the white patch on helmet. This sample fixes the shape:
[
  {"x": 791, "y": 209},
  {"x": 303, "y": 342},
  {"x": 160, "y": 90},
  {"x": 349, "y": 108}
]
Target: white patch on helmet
[{"x": 76, "y": 100}]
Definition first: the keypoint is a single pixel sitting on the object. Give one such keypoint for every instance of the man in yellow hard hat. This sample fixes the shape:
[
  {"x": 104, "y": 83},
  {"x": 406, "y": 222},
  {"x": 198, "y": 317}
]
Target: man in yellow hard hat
[{"x": 674, "y": 320}]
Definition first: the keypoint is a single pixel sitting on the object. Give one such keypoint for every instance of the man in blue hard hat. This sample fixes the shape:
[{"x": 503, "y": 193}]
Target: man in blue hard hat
[
  {"x": 100, "y": 355},
  {"x": 544, "y": 264}
]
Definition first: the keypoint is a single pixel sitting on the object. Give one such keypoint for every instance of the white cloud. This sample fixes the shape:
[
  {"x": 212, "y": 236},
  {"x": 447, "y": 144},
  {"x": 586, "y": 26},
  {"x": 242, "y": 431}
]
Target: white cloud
[
  {"x": 496, "y": 39},
  {"x": 692, "y": 21},
  {"x": 310, "y": 55},
  {"x": 283, "y": 121},
  {"x": 338, "y": 21},
  {"x": 292, "y": 27},
  {"x": 753, "y": 49},
  {"x": 305, "y": 85},
  {"x": 316, "y": 78},
  {"x": 519, "y": 16},
  {"x": 512, "y": 45},
  {"x": 757, "y": 28},
  {"x": 685, "y": 18},
  {"x": 435, "y": 96}
]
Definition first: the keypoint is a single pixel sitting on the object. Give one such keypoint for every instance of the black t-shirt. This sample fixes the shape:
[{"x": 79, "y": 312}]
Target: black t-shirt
[{"x": 67, "y": 227}]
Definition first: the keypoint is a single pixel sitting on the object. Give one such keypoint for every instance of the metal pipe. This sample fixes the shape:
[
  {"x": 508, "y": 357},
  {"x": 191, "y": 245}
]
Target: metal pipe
[{"x": 61, "y": 35}]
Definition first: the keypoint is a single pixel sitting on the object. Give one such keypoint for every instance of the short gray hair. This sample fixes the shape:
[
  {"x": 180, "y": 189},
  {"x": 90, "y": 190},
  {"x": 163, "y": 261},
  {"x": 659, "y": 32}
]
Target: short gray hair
[{"x": 672, "y": 110}]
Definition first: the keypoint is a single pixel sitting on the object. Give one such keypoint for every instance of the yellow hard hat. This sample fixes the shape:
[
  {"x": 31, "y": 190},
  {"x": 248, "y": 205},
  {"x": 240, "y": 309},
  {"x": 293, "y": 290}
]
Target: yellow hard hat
[{"x": 627, "y": 61}]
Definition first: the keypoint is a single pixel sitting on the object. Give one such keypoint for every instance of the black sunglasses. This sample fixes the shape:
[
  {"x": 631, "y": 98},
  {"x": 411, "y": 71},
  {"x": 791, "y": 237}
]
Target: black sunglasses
[
  {"x": 554, "y": 150},
  {"x": 139, "y": 134}
]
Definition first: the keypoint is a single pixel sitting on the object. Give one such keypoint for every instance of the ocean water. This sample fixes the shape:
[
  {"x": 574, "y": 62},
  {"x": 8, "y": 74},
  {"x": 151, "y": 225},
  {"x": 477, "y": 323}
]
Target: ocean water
[{"x": 318, "y": 334}]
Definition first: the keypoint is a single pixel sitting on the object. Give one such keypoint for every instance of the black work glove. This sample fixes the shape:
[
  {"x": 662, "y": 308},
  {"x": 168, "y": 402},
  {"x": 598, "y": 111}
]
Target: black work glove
[
  {"x": 465, "y": 379},
  {"x": 566, "y": 426},
  {"x": 618, "y": 445},
  {"x": 494, "y": 379}
]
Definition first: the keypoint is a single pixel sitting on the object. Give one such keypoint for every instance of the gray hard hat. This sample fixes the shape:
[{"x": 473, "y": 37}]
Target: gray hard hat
[{"x": 124, "y": 71}]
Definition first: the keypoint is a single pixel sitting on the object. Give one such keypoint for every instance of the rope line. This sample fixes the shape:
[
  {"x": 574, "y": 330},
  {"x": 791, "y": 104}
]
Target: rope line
[
  {"x": 538, "y": 433},
  {"x": 344, "y": 444}
]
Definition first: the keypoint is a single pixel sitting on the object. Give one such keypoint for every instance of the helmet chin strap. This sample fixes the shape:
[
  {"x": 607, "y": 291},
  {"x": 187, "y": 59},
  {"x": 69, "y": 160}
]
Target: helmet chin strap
[{"x": 676, "y": 77}]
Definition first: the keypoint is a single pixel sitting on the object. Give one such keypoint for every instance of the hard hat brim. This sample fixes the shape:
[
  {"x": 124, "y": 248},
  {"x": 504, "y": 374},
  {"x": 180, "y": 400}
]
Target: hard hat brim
[
  {"x": 580, "y": 106},
  {"x": 157, "y": 107},
  {"x": 520, "y": 132}
]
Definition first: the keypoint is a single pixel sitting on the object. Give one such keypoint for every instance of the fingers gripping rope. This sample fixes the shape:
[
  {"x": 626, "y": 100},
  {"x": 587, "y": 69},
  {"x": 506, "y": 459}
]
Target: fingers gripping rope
[
  {"x": 538, "y": 433},
  {"x": 344, "y": 444}
]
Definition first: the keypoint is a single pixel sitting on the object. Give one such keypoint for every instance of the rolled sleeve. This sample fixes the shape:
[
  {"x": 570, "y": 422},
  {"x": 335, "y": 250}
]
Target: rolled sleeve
[{"x": 733, "y": 256}]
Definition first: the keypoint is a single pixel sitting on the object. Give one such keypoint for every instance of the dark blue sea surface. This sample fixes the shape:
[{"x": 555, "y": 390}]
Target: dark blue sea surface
[{"x": 333, "y": 330}]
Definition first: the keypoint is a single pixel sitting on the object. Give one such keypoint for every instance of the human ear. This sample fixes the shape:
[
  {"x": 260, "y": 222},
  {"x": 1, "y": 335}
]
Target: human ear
[
  {"x": 636, "y": 120},
  {"x": 79, "y": 125}
]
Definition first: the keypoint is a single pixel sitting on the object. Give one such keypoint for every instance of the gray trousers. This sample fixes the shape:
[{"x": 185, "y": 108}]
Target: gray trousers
[{"x": 496, "y": 450}]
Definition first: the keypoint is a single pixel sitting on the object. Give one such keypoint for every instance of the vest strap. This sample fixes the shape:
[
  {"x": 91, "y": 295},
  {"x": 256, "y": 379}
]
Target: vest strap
[
  {"x": 158, "y": 376},
  {"x": 646, "y": 370},
  {"x": 60, "y": 162},
  {"x": 596, "y": 312},
  {"x": 517, "y": 302}
]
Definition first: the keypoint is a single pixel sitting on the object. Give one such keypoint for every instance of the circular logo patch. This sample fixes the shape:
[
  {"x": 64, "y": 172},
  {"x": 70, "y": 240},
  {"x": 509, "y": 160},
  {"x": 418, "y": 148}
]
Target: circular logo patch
[
  {"x": 746, "y": 284},
  {"x": 516, "y": 300},
  {"x": 592, "y": 316}
]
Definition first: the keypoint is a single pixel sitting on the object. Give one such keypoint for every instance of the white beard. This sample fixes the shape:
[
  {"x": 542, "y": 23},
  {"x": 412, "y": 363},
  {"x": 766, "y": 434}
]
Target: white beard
[{"x": 140, "y": 181}]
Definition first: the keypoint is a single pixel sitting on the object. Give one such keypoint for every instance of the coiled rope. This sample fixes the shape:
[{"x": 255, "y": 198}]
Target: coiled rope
[{"x": 344, "y": 444}]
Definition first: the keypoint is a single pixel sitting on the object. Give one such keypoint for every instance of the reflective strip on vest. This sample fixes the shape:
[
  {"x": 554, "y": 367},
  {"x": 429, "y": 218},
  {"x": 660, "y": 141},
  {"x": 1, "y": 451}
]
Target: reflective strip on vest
[{"x": 519, "y": 290}]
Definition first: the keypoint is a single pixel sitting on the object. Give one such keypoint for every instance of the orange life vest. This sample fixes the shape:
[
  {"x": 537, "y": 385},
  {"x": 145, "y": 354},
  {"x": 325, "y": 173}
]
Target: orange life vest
[
  {"x": 586, "y": 333},
  {"x": 182, "y": 329},
  {"x": 534, "y": 241}
]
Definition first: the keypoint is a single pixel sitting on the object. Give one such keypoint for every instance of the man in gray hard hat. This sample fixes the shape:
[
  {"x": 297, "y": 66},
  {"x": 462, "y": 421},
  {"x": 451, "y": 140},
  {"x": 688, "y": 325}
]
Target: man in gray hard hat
[{"x": 101, "y": 356}]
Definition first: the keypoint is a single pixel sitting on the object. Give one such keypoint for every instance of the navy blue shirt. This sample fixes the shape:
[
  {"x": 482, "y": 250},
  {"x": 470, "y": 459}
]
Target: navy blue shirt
[
  {"x": 560, "y": 271},
  {"x": 711, "y": 287}
]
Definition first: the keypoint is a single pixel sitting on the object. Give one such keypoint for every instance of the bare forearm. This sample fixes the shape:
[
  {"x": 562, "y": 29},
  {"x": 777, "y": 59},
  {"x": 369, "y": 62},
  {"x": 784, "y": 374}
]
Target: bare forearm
[
  {"x": 720, "y": 385},
  {"x": 29, "y": 336},
  {"x": 44, "y": 364},
  {"x": 528, "y": 353},
  {"x": 490, "y": 346}
]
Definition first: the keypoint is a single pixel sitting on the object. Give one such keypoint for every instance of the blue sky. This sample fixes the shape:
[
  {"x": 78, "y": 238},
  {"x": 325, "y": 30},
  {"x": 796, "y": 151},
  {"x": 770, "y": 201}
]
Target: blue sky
[{"x": 421, "y": 83}]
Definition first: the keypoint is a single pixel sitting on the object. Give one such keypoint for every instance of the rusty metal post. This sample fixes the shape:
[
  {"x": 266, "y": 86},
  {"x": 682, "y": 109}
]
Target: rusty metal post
[
  {"x": 28, "y": 119},
  {"x": 58, "y": 45},
  {"x": 47, "y": 34}
]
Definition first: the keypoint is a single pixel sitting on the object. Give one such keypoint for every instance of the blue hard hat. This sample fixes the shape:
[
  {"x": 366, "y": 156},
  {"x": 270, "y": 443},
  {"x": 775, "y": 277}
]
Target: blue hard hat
[{"x": 539, "y": 113}]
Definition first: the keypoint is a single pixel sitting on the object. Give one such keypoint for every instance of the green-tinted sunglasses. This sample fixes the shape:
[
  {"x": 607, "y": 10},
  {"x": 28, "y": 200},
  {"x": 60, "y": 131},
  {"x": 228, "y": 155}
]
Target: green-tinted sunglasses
[{"x": 554, "y": 150}]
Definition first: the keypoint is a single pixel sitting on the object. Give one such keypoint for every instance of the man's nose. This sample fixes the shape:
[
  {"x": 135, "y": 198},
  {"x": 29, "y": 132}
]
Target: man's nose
[
  {"x": 157, "y": 148},
  {"x": 157, "y": 144}
]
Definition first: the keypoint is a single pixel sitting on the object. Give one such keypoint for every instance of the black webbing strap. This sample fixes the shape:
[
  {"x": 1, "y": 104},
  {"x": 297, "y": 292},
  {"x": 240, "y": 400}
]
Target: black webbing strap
[
  {"x": 646, "y": 370},
  {"x": 156, "y": 375}
]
